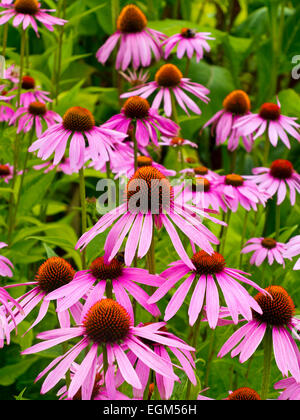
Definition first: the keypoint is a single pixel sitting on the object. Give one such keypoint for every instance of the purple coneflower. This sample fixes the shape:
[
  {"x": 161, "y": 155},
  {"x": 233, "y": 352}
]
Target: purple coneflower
[
  {"x": 276, "y": 317},
  {"x": 170, "y": 81},
  {"x": 12, "y": 73},
  {"x": 210, "y": 272},
  {"x": 176, "y": 141},
  {"x": 5, "y": 264},
  {"x": 265, "y": 248},
  {"x": 64, "y": 166},
  {"x": 293, "y": 250},
  {"x": 78, "y": 124},
  {"x": 276, "y": 179},
  {"x": 93, "y": 282},
  {"x": 164, "y": 384},
  {"x": 34, "y": 115},
  {"x": 137, "y": 41},
  {"x": 6, "y": 111},
  {"x": 135, "y": 78},
  {"x": 240, "y": 394},
  {"x": 27, "y": 12},
  {"x": 6, "y": 172},
  {"x": 157, "y": 207},
  {"x": 105, "y": 326},
  {"x": 189, "y": 42},
  {"x": 238, "y": 190},
  {"x": 235, "y": 106},
  {"x": 148, "y": 121},
  {"x": 32, "y": 93},
  {"x": 291, "y": 389},
  {"x": 52, "y": 274},
  {"x": 269, "y": 120},
  {"x": 201, "y": 171}
]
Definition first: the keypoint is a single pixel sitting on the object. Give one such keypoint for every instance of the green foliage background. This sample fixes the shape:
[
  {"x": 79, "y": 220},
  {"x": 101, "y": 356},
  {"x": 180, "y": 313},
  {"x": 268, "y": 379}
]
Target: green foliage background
[{"x": 241, "y": 57}]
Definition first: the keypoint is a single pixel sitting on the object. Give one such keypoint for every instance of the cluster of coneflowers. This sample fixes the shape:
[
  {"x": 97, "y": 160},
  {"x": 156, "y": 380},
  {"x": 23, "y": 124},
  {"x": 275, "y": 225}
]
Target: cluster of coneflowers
[{"x": 104, "y": 342}]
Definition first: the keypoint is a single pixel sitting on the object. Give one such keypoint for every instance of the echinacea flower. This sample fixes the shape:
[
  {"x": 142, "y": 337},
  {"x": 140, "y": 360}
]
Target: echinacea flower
[
  {"x": 170, "y": 81},
  {"x": 33, "y": 116},
  {"x": 164, "y": 384},
  {"x": 293, "y": 250},
  {"x": 270, "y": 120},
  {"x": 27, "y": 13},
  {"x": 276, "y": 179},
  {"x": 126, "y": 168},
  {"x": 7, "y": 305},
  {"x": 276, "y": 317},
  {"x": 176, "y": 141},
  {"x": 32, "y": 93},
  {"x": 6, "y": 172},
  {"x": 238, "y": 190},
  {"x": 92, "y": 282},
  {"x": 201, "y": 192},
  {"x": 241, "y": 394},
  {"x": 135, "y": 78},
  {"x": 105, "y": 324},
  {"x": 188, "y": 42},
  {"x": 201, "y": 171},
  {"x": 6, "y": 110},
  {"x": 12, "y": 72},
  {"x": 235, "y": 106},
  {"x": 149, "y": 202},
  {"x": 78, "y": 125},
  {"x": 64, "y": 166},
  {"x": 210, "y": 272},
  {"x": 290, "y": 387},
  {"x": 5, "y": 263},
  {"x": 52, "y": 274},
  {"x": 137, "y": 41},
  {"x": 147, "y": 121},
  {"x": 265, "y": 248}
]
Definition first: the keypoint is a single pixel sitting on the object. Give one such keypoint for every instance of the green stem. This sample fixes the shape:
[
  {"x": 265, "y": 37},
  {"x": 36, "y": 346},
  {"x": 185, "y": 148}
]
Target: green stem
[
  {"x": 83, "y": 212},
  {"x": 174, "y": 109},
  {"x": 187, "y": 67},
  {"x": 105, "y": 360},
  {"x": 151, "y": 256},
  {"x": 63, "y": 6},
  {"x": 5, "y": 34},
  {"x": 267, "y": 149},
  {"x": 211, "y": 352},
  {"x": 243, "y": 236},
  {"x": 194, "y": 340},
  {"x": 135, "y": 151},
  {"x": 277, "y": 221},
  {"x": 225, "y": 232},
  {"x": 275, "y": 36},
  {"x": 109, "y": 289},
  {"x": 115, "y": 11},
  {"x": 267, "y": 364},
  {"x": 233, "y": 159}
]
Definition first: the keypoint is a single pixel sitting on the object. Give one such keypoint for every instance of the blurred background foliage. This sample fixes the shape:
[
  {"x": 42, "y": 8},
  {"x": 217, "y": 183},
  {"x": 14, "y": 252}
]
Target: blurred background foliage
[{"x": 251, "y": 51}]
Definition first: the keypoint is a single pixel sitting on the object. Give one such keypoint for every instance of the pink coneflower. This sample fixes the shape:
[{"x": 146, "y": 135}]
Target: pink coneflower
[
  {"x": 126, "y": 168},
  {"x": 34, "y": 115},
  {"x": 137, "y": 41},
  {"x": 238, "y": 190},
  {"x": 188, "y": 42},
  {"x": 210, "y": 272},
  {"x": 106, "y": 324},
  {"x": 235, "y": 106},
  {"x": 27, "y": 12},
  {"x": 6, "y": 172},
  {"x": 32, "y": 93},
  {"x": 265, "y": 248},
  {"x": 157, "y": 207},
  {"x": 164, "y": 385},
  {"x": 135, "y": 78},
  {"x": 52, "y": 274},
  {"x": 148, "y": 121},
  {"x": 5, "y": 264},
  {"x": 269, "y": 120},
  {"x": 176, "y": 141},
  {"x": 201, "y": 192},
  {"x": 293, "y": 250},
  {"x": 277, "y": 178},
  {"x": 7, "y": 305},
  {"x": 277, "y": 315},
  {"x": 78, "y": 125},
  {"x": 170, "y": 81},
  {"x": 6, "y": 111},
  {"x": 92, "y": 282},
  {"x": 201, "y": 171},
  {"x": 240, "y": 394},
  {"x": 12, "y": 73},
  {"x": 99, "y": 391},
  {"x": 291, "y": 389}
]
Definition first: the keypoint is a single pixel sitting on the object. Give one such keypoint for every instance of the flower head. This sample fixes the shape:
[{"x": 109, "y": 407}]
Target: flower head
[
  {"x": 169, "y": 80},
  {"x": 290, "y": 387},
  {"x": 209, "y": 272},
  {"x": 78, "y": 125},
  {"x": 265, "y": 248},
  {"x": 235, "y": 106},
  {"x": 270, "y": 120},
  {"x": 293, "y": 250},
  {"x": 277, "y": 316},
  {"x": 275, "y": 179},
  {"x": 188, "y": 42},
  {"x": 6, "y": 172},
  {"x": 137, "y": 42},
  {"x": 27, "y": 13},
  {"x": 240, "y": 394}
]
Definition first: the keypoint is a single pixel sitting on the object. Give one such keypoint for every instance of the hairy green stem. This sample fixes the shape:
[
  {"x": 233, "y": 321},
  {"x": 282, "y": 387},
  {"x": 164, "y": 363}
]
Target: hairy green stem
[
  {"x": 83, "y": 212},
  {"x": 267, "y": 364}
]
